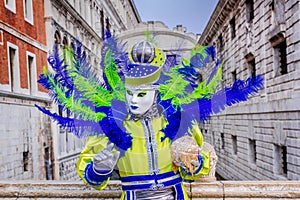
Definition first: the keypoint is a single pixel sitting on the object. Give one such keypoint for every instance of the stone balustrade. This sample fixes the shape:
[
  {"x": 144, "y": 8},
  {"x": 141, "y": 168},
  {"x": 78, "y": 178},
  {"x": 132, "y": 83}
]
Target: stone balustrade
[{"x": 216, "y": 190}]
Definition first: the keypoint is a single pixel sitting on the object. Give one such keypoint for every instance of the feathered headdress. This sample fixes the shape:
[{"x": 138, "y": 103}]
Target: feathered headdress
[{"x": 99, "y": 107}]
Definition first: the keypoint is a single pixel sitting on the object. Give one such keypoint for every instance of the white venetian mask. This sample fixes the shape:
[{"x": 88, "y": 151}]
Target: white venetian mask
[{"x": 139, "y": 101}]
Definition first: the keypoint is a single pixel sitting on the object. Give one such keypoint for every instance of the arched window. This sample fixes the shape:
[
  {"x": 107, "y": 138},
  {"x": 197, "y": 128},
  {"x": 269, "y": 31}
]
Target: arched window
[
  {"x": 57, "y": 38},
  {"x": 65, "y": 41},
  {"x": 199, "y": 78},
  {"x": 64, "y": 48}
]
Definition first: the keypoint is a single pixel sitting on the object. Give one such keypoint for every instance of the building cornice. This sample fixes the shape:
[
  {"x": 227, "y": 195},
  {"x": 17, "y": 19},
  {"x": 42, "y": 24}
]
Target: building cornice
[
  {"x": 217, "y": 19},
  {"x": 22, "y": 36},
  {"x": 78, "y": 17},
  {"x": 23, "y": 97},
  {"x": 115, "y": 14},
  {"x": 135, "y": 11}
]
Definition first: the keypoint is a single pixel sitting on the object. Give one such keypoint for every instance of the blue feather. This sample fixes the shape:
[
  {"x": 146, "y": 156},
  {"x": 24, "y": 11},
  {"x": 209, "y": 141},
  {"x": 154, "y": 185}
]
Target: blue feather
[
  {"x": 82, "y": 128},
  {"x": 59, "y": 67},
  {"x": 119, "y": 54},
  {"x": 79, "y": 128},
  {"x": 173, "y": 116},
  {"x": 214, "y": 71},
  {"x": 196, "y": 61},
  {"x": 229, "y": 96},
  {"x": 116, "y": 134},
  {"x": 179, "y": 121},
  {"x": 44, "y": 81},
  {"x": 119, "y": 111},
  {"x": 188, "y": 72},
  {"x": 82, "y": 65},
  {"x": 199, "y": 60},
  {"x": 211, "y": 51}
]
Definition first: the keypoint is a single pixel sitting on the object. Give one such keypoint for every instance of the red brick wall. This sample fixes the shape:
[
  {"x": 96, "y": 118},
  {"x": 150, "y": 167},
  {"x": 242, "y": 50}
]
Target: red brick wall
[
  {"x": 3, "y": 60},
  {"x": 37, "y": 32}
]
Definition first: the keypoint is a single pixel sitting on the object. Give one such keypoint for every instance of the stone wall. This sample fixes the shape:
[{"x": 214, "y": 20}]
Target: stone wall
[
  {"x": 258, "y": 139},
  {"x": 220, "y": 190},
  {"x": 25, "y": 134}
]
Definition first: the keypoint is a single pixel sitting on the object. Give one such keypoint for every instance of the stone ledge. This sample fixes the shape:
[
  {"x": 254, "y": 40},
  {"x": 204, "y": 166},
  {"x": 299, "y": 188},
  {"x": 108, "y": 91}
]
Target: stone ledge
[
  {"x": 262, "y": 189},
  {"x": 56, "y": 190},
  {"x": 206, "y": 190}
]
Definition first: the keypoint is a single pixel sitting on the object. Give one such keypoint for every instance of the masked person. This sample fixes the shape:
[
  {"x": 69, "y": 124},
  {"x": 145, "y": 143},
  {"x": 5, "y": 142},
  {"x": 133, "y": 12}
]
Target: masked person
[
  {"x": 146, "y": 169},
  {"x": 142, "y": 121}
]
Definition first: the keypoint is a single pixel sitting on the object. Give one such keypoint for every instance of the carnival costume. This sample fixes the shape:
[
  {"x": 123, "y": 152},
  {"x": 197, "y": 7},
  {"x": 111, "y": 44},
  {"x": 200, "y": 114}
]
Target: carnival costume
[{"x": 140, "y": 143}]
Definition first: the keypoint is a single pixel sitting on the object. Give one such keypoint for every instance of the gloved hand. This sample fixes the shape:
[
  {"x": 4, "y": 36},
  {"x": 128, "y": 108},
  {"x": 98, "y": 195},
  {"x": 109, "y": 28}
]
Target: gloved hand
[
  {"x": 188, "y": 161},
  {"x": 185, "y": 153},
  {"x": 105, "y": 161}
]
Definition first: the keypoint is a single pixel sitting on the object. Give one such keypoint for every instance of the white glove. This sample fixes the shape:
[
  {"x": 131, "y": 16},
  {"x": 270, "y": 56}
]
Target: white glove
[{"x": 105, "y": 160}]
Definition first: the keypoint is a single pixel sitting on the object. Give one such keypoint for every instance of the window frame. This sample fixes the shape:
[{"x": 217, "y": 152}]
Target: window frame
[
  {"x": 32, "y": 74},
  {"x": 252, "y": 151},
  {"x": 11, "y": 5},
  {"x": 232, "y": 24},
  {"x": 234, "y": 145},
  {"x": 280, "y": 165},
  {"x": 14, "y": 83},
  {"x": 252, "y": 67},
  {"x": 29, "y": 19},
  {"x": 250, "y": 10},
  {"x": 281, "y": 65}
]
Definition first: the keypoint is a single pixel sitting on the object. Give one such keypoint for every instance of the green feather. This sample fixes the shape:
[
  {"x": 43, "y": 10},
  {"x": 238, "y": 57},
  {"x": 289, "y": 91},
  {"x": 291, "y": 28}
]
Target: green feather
[
  {"x": 174, "y": 88},
  {"x": 199, "y": 49},
  {"x": 92, "y": 91},
  {"x": 201, "y": 91},
  {"x": 87, "y": 86},
  {"x": 150, "y": 37},
  {"x": 113, "y": 77},
  {"x": 214, "y": 82},
  {"x": 74, "y": 106}
]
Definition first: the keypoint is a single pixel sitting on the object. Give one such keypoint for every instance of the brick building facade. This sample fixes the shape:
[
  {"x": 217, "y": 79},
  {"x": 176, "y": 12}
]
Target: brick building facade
[
  {"x": 258, "y": 139},
  {"x": 26, "y": 143}
]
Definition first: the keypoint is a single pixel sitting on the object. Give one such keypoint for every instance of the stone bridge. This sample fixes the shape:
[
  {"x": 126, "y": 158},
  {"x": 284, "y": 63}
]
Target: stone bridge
[{"x": 216, "y": 190}]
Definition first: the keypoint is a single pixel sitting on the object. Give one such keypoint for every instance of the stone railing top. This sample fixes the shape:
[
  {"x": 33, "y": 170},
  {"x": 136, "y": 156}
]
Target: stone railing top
[{"x": 216, "y": 190}]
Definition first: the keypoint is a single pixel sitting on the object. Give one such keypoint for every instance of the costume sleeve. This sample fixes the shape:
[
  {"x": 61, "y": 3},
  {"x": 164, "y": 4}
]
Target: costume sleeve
[
  {"x": 94, "y": 144},
  {"x": 204, "y": 157}
]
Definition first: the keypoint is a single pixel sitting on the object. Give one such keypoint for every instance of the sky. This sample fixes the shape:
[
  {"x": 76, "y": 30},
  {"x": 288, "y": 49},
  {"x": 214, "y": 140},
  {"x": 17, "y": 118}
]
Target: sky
[{"x": 192, "y": 14}]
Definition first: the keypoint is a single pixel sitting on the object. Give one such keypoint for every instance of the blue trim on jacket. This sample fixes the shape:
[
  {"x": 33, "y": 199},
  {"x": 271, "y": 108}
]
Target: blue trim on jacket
[
  {"x": 93, "y": 178},
  {"x": 155, "y": 182},
  {"x": 201, "y": 161}
]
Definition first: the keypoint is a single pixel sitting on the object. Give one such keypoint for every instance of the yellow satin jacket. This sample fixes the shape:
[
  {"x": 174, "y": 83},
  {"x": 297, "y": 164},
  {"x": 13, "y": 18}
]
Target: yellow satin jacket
[{"x": 147, "y": 164}]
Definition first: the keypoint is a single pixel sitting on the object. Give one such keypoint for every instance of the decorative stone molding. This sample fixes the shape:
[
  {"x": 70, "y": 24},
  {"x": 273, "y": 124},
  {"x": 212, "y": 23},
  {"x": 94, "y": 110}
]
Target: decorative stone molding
[
  {"x": 219, "y": 16},
  {"x": 16, "y": 33},
  {"x": 277, "y": 35}
]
